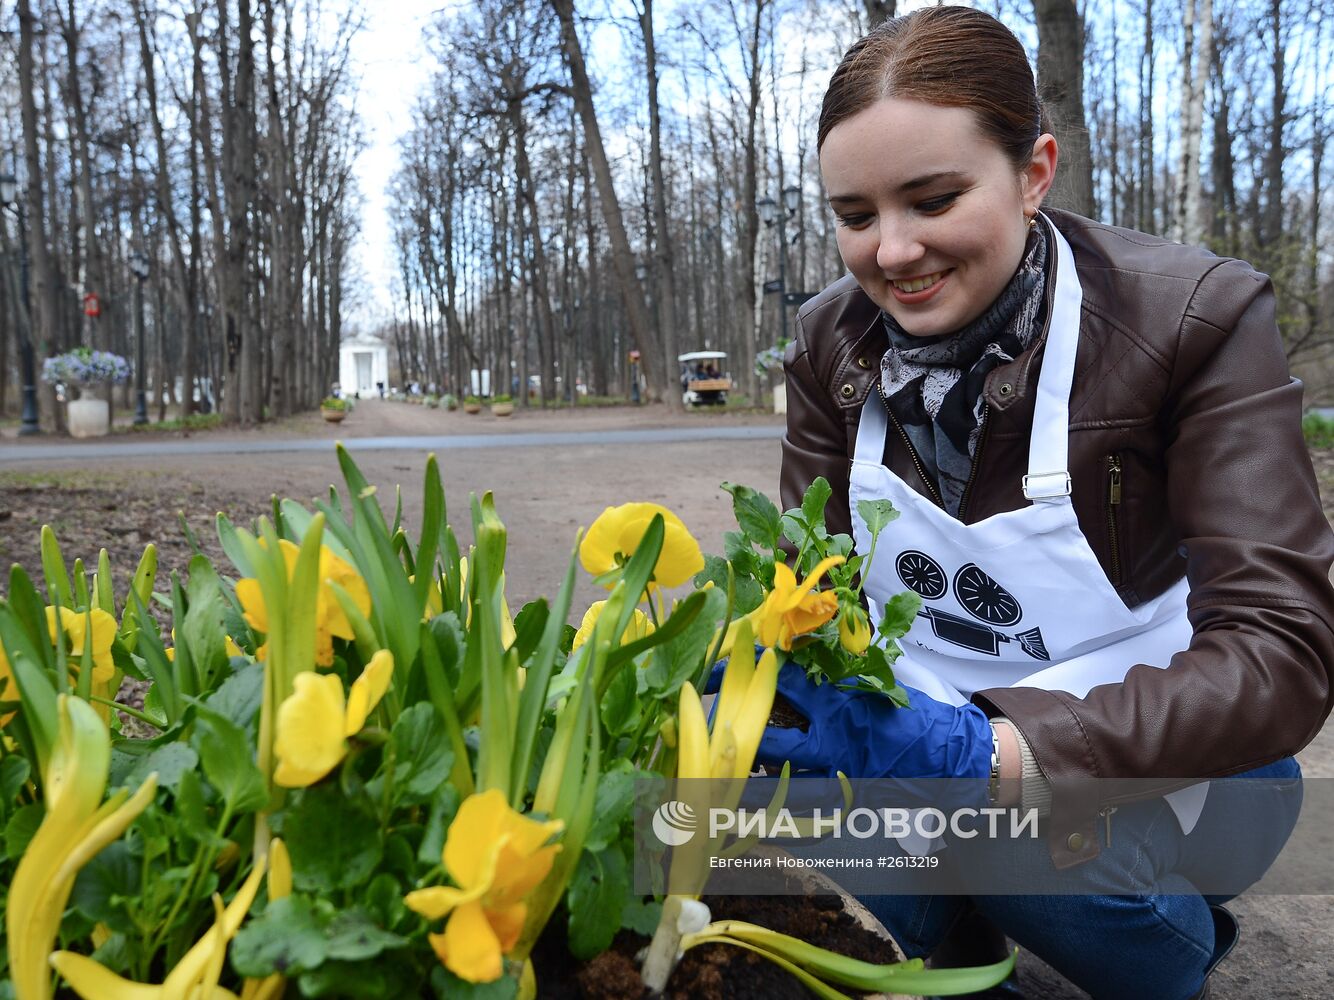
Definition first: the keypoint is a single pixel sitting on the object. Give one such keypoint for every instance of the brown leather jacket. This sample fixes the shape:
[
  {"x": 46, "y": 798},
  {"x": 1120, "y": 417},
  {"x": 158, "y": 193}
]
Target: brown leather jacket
[{"x": 1187, "y": 458}]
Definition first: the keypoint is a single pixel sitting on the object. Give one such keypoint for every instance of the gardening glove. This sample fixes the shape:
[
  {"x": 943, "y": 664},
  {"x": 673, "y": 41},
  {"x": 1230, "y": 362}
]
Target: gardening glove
[{"x": 865, "y": 735}]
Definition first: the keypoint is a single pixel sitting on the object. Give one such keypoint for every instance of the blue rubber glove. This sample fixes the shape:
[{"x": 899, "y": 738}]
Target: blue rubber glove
[{"x": 865, "y": 735}]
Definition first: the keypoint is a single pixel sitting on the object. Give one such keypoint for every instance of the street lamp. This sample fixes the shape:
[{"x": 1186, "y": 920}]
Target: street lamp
[
  {"x": 9, "y": 190},
  {"x": 139, "y": 268},
  {"x": 774, "y": 214}
]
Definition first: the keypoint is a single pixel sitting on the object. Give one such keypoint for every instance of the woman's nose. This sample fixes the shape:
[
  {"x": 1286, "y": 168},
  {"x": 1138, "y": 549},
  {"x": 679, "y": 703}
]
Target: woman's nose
[{"x": 899, "y": 248}]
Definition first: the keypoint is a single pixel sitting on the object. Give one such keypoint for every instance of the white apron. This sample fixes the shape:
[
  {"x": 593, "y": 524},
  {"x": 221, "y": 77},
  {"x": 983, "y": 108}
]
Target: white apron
[{"x": 1019, "y": 599}]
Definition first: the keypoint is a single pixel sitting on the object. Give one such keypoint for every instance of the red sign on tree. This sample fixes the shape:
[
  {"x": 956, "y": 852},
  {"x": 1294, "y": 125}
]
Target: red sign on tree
[{"x": 92, "y": 305}]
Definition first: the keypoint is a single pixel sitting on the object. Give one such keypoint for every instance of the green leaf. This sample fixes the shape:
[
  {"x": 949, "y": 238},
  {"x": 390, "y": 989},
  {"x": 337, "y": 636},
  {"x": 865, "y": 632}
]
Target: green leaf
[
  {"x": 615, "y": 800},
  {"x": 448, "y": 986},
  {"x": 106, "y": 883},
  {"x": 228, "y": 762},
  {"x": 595, "y": 897},
  {"x": 443, "y": 807},
  {"x": 620, "y": 706},
  {"x": 14, "y": 771},
  {"x": 287, "y": 937},
  {"x": 641, "y": 915},
  {"x": 334, "y": 843},
  {"x": 353, "y": 936},
  {"x": 239, "y": 696},
  {"x": 813, "y": 503},
  {"x": 21, "y": 828},
  {"x": 189, "y": 809},
  {"x": 900, "y": 610},
  {"x": 58, "y": 589},
  {"x": 876, "y": 514},
  {"x": 756, "y": 515},
  {"x": 171, "y": 761},
  {"x": 388, "y": 978},
  {"x": 420, "y": 753},
  {"x": 677, "y": 662}
]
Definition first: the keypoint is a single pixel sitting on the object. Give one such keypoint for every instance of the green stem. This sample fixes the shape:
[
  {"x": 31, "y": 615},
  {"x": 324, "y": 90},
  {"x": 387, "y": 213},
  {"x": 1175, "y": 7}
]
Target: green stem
[{"x": 131, "y": 712}]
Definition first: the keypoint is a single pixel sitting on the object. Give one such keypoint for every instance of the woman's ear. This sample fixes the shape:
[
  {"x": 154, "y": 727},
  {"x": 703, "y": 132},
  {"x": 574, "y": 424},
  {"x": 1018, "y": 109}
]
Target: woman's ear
[{"x": 1036, "y": 178}]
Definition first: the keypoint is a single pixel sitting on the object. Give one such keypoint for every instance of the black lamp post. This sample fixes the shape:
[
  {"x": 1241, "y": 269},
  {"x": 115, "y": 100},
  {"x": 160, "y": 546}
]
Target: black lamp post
[
  {"x": 773, "y": 214},
  {"x": 139, "y": 268},
  {"x": 9, "y": 196}
]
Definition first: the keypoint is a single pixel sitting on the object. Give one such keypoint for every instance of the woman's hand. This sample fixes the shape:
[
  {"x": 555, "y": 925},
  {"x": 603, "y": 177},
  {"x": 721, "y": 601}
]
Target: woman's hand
[{"x": 866, "y": 736}]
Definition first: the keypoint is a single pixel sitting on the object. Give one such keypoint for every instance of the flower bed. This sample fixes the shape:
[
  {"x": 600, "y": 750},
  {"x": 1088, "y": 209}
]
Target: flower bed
[{"x": 365, "y": 776}]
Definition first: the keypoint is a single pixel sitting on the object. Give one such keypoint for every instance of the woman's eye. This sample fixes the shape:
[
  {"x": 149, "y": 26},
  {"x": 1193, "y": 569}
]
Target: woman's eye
[
  {"x": 853, "y": 221},
  {"x": 939, "y": 204}
]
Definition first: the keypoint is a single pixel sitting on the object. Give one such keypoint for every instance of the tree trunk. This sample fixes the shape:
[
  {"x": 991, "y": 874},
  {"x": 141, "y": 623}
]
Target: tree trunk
[
  {"x": 1061, "y": 87},
  {"x": 1197, "y": 32},
  {"x": 622, "y": 257},
  {"x": 666, "y": 264}
]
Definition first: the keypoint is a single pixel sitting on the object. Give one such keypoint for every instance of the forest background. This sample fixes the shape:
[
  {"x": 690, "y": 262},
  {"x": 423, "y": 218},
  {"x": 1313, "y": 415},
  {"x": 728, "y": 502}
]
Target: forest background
[{"x": 579, "y": 182}]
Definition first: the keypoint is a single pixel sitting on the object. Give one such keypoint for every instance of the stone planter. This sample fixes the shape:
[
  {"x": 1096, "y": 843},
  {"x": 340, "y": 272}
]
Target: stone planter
[
  {"x": 89, "y": 418},
  {"x": 333, "y": 416},
  {"x": 780, "y": 397},
  {"x": 472, "y": 407},
  {"x": 502, "y": 409}
]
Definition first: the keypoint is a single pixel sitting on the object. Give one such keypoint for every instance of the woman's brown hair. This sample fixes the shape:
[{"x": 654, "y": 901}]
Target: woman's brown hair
[{"x": 949, "y": 56}]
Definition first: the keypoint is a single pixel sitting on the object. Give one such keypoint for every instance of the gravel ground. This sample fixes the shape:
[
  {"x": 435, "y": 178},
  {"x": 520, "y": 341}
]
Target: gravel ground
[{"x": 544, "y": 495}]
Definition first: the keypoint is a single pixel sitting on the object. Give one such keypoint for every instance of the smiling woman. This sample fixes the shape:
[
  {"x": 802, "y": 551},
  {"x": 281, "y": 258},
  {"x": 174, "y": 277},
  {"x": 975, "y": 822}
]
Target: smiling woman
[{"x": 1072, "y": 420}]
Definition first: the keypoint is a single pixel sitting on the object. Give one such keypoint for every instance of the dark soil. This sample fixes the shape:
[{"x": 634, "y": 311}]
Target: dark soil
[
  {"x": 121, "y": 512},
  {"x": 710, "y": 972}
]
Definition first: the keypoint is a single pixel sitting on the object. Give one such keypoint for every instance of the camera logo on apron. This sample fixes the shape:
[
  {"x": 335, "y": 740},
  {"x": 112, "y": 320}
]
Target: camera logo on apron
[{"x": 979, "y": 595}]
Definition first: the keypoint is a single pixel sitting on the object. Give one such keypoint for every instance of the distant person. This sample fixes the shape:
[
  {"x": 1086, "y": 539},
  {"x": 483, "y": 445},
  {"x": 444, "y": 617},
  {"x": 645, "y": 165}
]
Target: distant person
[{"x": 379, "y": 387}]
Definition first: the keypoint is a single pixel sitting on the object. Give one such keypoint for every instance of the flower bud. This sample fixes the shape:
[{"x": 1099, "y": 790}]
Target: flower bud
[{"x": 854, "y": 630}]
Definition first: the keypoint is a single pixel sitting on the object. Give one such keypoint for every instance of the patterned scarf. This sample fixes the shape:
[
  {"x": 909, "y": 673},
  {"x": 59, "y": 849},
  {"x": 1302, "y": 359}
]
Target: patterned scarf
[{"x": 933, "y": 385}]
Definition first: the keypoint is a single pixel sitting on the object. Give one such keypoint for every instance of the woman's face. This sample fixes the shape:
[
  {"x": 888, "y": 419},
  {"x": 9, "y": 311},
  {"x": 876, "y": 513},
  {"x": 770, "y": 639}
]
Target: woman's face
[{"x": 932, "y": 215}]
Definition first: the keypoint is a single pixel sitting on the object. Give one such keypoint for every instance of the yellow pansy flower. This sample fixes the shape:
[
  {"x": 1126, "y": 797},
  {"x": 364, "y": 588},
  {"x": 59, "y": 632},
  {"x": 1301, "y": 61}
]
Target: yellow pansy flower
[
  {"x": 76, "y": 826},
  {"x": 640, "y": 626},
  {"x": 854, "y": 629},
  {"x": 330, "y": 619},
  {"x": 77, "y": 625},
  {"x": 790, "y": 610},
  {"x": 314, "y": 722},
  {"x": 195, "y": 975},
  {"x": 228, "y": 644},
  {"x": 496, "y": 857},
  {"x": 617, "y": 532}
]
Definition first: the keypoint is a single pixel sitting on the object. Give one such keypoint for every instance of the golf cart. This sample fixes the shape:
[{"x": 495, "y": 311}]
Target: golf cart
[{"x": 703, "y": 380}]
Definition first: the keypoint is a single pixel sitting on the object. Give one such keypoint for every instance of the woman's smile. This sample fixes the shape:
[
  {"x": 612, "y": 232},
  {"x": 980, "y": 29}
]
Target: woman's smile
[{"x": 932, "y": 229}]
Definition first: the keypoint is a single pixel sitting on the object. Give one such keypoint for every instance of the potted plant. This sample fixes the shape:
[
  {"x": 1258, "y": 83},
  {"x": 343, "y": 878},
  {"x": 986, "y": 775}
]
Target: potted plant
[
  {"x": 472, "y": 404},
  {"x": 333, "y": 409},
  {"x": 502, "y": 405},
  {"x": 449, "y": 401},
  {"x": 79, "y": 370}
]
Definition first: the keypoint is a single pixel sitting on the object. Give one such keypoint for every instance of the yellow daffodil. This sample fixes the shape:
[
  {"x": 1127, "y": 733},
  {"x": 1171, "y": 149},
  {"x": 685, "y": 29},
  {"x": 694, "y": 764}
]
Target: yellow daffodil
[
  {"x": 195, "y": 975},
  {"x": 617, "y": 532},
  {"x": 854, "y": 629},
  {"x": 790, "y": 610},
  {"x": 77, "y": 626},
  {"x": 496, "y": 857},
  {"x": 640, "y": 626},
  {"x": 330, "y": 620},
  {"x": 315, "y": 721},
  {"x": 744, "y": 703},
  {"x": 77, "y": 825}
]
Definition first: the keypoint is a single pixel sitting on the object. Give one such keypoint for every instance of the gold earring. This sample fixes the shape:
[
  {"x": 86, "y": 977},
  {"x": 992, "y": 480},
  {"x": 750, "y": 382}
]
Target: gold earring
[{"x": 1032, "y": 221}]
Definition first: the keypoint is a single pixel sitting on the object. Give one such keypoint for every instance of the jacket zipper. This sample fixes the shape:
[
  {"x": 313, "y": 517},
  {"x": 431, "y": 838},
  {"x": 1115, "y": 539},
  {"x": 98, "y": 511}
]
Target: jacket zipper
[
  {"x": 977, "y": 461},
  {"x": 916, "y": 459},
  {"x": 1113, "y": 505}
]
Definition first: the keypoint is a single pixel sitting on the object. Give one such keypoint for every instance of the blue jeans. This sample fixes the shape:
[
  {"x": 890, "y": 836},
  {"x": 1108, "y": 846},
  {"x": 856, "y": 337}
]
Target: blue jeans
[{"x": 1158, "y": 944}]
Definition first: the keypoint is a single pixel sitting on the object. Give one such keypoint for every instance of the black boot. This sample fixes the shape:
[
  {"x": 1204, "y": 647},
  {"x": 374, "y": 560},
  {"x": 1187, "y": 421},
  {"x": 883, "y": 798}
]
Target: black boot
[{"x": 1226, "y": 933}]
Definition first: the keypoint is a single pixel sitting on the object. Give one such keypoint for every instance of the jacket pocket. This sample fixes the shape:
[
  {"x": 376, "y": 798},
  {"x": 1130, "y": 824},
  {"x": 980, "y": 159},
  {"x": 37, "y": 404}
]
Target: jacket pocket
[{"x": 1114, "y": 489}]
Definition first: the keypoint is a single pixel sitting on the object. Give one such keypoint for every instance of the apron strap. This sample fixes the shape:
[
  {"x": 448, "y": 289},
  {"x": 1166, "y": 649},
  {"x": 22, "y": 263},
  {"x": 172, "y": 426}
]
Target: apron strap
[
  {"x": 1048, "y": 475},
  {"x": 870, "y": 447}
]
